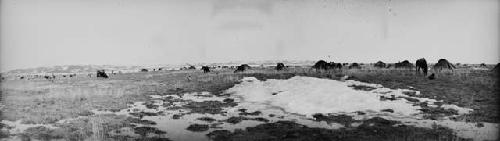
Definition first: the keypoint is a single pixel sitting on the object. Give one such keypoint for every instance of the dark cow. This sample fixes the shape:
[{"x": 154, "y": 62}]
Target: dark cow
[
  {"x": 405, "y": 64},
  {"x": 380, "y": 64},
  {"x": 443, "y": 63},
  {"x": 280, "y": 66},
  {"x": 101, "y": 73},
  {"x": 144, "y": 70},
  {"x": 242, "y": 68},
  {"x": 191, "y": 68},
  {"x": 354, "y": 66},
  {"x": 421, "y": 64},
  {"x": 159, "y": 69},
  {"x": 205, "y": 69},
  {"x": 321, "y": 65}
]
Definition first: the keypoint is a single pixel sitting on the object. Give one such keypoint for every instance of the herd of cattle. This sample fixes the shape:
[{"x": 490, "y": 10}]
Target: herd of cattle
[{"x": 421, "y": 65}]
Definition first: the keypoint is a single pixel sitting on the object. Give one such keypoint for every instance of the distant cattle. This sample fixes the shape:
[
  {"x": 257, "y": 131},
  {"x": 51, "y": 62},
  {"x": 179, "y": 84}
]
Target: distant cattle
[
  {"x": 242, "y": 68},
  {"x": 191, "y": 67},
  {"x": 101, "y": 73},
  {"x": 144, "y": 70},
  {"x": 159, "y": 69},
  {"x": 443, "y": 63},
  {"x": 421, "y": 64},
  {"x": 280, "y": 66},
  {"x": 380, "y": 64},
  {"x": 205, "y": 69},
  {"x": 354, "y": 66},
  {"x": 321, "y": 65},
  {"x": 335, "y": 65},
  {"x": 405, "y": 64},
  {"x": 72, "y": 75}
]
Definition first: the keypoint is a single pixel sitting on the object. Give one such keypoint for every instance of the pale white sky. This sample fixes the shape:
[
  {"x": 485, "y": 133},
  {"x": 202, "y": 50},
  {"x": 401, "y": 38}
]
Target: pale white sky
[{"x": 145, "y": 32}]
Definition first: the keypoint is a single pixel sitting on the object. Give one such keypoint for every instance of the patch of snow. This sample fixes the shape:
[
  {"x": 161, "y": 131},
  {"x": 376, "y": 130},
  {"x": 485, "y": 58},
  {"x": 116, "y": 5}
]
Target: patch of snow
[{"x": 308, "y": 95}]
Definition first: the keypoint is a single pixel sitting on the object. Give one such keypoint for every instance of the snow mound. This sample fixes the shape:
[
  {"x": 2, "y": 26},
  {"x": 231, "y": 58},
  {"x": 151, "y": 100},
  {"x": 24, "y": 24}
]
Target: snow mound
[{"x": 309, "y": 95}]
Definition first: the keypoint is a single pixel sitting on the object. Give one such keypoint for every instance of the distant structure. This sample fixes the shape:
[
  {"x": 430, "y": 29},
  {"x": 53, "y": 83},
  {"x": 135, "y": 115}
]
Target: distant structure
[
  {"x": 405, "y": 64},
  {"x": 242, "y": 68},
  {"x": 354, "y": 66},
  {"x": 101, "y": 73},
  {"x": 205, "y": 69},
  {"x": 380, "y": 64},
  {"x": 443, "y": 64},
  {"x": 280, "y": 66}
]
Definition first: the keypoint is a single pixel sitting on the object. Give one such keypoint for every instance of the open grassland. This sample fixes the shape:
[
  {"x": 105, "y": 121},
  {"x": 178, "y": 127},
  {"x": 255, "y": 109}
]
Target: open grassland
[{"x": 43, "y": 101}]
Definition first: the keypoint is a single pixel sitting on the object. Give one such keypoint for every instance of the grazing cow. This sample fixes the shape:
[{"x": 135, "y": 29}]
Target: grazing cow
[
  {"x": 46, "y": 77},
  {"x": 205, "y": 69},
  {"x": 354, "y": 66},
  {"x": 242, "y": 68},
  {"x": 443, "y": 63},
  {"x": 192, "y": 68},
  {"x": 144, "y": 70},
  {"x": 159, "y": 69},
  {"x": 101, "y": 73},
  {"x": 405, "y": 64},
  {"x": 421, "y": 64},
  {"x": 280, "y": 66},
  {"x": 380, "y": 64}
]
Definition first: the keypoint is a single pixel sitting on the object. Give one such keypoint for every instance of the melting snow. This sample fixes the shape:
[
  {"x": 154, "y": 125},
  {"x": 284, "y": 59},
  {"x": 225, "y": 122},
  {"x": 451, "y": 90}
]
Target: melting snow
[{"x": 308, "y": 95}]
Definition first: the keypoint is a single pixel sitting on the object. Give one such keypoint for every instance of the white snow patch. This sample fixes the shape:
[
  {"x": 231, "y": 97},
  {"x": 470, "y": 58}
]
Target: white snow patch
[{"x": 307, "y": 96}]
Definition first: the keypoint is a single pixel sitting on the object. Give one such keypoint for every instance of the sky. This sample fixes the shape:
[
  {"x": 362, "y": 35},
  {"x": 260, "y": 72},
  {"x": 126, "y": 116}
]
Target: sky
[{"x": 36, "y": 33}]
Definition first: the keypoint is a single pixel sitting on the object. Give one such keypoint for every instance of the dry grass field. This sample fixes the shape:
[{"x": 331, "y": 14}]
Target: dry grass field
[{"x": 68, "y": 106}]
